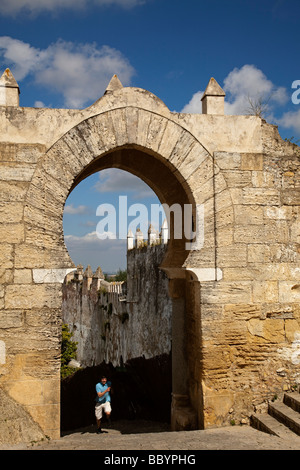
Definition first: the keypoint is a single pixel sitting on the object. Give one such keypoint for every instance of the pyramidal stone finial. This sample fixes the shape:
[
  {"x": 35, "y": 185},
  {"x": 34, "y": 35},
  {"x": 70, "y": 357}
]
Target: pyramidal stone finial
[
  {"x": 213, "y": 89},
  {"x": 9, "y": 89},
  {"x": 213, "y": 98},
  {"x": 113, "y": 85}
]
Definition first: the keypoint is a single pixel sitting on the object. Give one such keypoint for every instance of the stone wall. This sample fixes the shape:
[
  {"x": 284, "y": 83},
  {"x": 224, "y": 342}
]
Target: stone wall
[
  {"x": 250, "y": 319},
  {"x": 235, "y": 299},
  {"x": 113, "y": 322}
]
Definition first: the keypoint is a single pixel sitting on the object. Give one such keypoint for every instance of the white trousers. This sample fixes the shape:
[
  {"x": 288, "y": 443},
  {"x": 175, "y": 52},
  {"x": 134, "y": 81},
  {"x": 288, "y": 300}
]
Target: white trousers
[{"x": 100, "y": 407}]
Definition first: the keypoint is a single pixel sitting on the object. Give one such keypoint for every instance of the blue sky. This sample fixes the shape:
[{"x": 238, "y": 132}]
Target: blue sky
[{"x": 64, "y": 52}]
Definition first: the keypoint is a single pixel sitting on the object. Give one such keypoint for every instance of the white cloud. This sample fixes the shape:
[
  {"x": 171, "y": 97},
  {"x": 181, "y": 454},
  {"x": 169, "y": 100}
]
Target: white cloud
[
  {"x": 121, "y": 3},
  {"x": 250, "y": 82},
  {"x": 195, "y": 104},
  {"x": 247, "y": 80},
  {"x": 70, "y": 209},
  {"x": 39, "y": 104},
  {"x": 24, "y": 58},
  {"x": 291, "y": 120},
  {"x": 62, "y": 67},
  {"x": 240, "y": 85},
  {"x": 92, "y": 237},
  {"x": 108, "y": 253},
  {"x": 88, "y": 223},
  {"x": 87, "y": 238},
  {"x": 11, "y": 7},
  {"x": 33, "y": 7},
  {"x": 113, "y": 180}
]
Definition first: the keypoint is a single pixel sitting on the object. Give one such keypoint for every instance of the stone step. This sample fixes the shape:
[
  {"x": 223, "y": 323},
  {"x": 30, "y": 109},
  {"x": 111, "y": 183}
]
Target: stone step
[
  {"x": 285, "y": 415},
  {"x": 266, "y": 423},
  {"x": 292, "y": 400}
]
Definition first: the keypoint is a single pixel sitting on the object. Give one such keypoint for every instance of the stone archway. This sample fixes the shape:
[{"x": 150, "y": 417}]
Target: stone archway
[
  {"x": 78, "y": 153},
  {"x": 236, "y": 297},
  {"x": 174, "y": 164}
]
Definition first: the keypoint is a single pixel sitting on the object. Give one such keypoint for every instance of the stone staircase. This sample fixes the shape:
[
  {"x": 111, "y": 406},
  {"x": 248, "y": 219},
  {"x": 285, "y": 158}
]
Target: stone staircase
[{"x": 282, "y": 419}]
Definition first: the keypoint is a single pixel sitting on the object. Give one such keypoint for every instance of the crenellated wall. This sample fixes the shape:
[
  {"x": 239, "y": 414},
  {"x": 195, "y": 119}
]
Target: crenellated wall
[{"x": 116, "y": 321}]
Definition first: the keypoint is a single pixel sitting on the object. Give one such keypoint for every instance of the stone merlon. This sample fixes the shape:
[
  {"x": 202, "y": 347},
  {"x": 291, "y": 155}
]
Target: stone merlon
[
  {"x": 213, "y": 98},
  {"x": 9, "y": 89}
]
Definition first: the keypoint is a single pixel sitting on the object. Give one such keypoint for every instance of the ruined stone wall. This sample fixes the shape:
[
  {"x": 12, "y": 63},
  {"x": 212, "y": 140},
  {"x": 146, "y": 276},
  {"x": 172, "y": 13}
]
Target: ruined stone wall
[
  {"x": 134, "y": 321},
  {"x": 148, "y": 301}
]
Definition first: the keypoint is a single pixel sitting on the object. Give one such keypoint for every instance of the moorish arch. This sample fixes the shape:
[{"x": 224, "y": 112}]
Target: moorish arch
[
  {"x": 162, "y": 153},
  {"x": 175, "y": 165}
]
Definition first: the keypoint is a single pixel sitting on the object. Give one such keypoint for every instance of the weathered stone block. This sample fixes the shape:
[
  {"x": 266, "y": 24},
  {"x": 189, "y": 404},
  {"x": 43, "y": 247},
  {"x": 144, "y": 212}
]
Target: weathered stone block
[
  {"x": 244, "y": 215},
  {"x": 252, "y": 161},
  {"x": 224, "y": 236},
  {"x": 182, "y": 148},
  {"x": 235, "y": 255},
  {"x": 228, "y": 161},
  {"x": 193, "y": 159},
  {"x": 237, "y": 179},
  {"x": 241, "y": 311},
  {"x": 29, "y": 393},
  {"x": 13, "y": 233},
  {"x": 40, "y": 218},
  {"x": 6, "y": 254},
  {"x": 269, "y": 330},
  {"x": 290, "y": 197},
  {"x": 217, "y": 406},
  {"x": 11, "y": 319},
  {"x": 203, "y": 174},
  {"x": 273, "y": 232},
  {"x": 11, "y": 212},
  {"x": 41, "y": 276},
  {"x": 256, "y": 253},
  {"x": 295, "y": 232},
  {"x": 289, "y": 291},
  {"x": 119, "y": 124},
  {"x": 279, "y": 213},
  {"x": 226, "y": 292},
  {"x": 16, "y": 424},
  {"x": 32, "y": 296},
  {"x": 263, "y": 179},
  {"x": 131, "y": 124},
  {"x": 29, "y": 256},
  {"x": 22, "y": 153},
  {"x": 265, "y": 291},
  {"x": 6, "y": 276},
  {"x": 155, "y": 132},
  {"x": 16, "y": 173},
  {"x": 22, "y": 276},
  {"x": 36, "y": 199},
  {"x": 12, "y": 191},
  {"x": 48, "y": 417},
  {"x": 241, "y": 273},
  {"x": 292, "y": 331},
  {"x": 262, "y": 196}
]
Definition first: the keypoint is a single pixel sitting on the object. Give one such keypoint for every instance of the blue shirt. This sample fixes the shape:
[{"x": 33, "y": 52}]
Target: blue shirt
[{"x": 100, "y": 388}]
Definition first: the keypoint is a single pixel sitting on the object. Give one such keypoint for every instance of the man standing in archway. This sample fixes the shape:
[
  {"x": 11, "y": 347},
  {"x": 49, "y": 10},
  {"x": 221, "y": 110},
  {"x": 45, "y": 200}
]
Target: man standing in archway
[{"x": 103, "y": 401}]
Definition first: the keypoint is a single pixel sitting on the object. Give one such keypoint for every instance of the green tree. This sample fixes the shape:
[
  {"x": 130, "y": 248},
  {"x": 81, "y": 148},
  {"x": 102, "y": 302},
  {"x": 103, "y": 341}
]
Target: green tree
[
  {"x": 121, "y": 275},
  {"x": 68, "y": 351}
]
